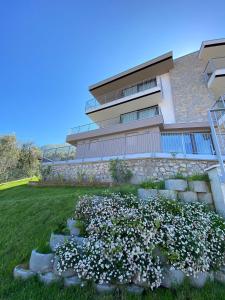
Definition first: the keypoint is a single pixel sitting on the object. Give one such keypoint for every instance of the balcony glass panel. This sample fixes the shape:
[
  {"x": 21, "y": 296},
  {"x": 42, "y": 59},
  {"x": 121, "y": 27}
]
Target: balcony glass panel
[{"x": 121, "y": 93}]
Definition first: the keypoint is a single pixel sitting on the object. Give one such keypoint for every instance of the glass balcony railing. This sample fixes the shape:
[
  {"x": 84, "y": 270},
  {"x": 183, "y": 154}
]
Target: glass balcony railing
[
  {"x": 135, "y": 116},
  {"x": 121, "y": 93},
  {"x": 213, "y": 65}
]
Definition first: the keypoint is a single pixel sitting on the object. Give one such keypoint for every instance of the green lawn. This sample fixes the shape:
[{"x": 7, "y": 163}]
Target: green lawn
[{"x": 27, "y": 216}]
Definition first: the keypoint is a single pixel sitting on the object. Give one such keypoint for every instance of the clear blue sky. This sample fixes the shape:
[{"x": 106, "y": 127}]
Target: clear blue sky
[{"x": 52, "y": 50}]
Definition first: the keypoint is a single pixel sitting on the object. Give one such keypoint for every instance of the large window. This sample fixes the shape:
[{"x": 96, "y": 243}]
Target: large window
[
  {"x": 189, "y": 143},
  {"x": 139, "y": 114},
  {"x": 145, "y": 85}
]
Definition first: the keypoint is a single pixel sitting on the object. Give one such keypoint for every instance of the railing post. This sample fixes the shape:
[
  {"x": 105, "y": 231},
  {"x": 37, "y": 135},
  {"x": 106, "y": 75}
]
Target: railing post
[
  {"x": 216, "y": 145},
  {"x": 183, "y": 145}
]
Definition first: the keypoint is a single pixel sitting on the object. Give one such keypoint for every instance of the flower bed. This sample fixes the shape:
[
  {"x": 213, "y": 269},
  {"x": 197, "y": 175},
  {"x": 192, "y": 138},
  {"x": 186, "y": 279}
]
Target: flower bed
[{"x": 133, "y": 241}]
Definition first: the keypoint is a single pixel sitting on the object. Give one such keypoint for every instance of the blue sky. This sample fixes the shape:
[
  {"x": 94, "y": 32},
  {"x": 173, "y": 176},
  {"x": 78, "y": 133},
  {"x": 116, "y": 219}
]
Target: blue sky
[{"x": 52, "y": 50}]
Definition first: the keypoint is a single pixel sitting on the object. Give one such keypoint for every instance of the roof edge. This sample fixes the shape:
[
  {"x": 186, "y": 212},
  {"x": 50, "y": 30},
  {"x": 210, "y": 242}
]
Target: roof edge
[{"x": 139, "y": 67}]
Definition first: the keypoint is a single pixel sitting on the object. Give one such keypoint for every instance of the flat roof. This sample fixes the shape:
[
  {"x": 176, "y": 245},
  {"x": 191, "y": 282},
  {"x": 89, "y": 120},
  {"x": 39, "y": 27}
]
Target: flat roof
[
  {"x": 211, "y": 43},
  {"x": 152, "y": 62}
]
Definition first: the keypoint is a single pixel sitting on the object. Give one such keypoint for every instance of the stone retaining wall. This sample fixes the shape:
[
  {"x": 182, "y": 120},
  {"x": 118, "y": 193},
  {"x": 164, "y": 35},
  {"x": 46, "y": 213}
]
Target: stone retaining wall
[{"x": 142, "y": 169}]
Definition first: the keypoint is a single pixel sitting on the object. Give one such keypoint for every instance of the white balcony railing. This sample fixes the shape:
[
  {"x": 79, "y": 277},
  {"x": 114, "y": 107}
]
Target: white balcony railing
[{"x": 130, "y": 90}]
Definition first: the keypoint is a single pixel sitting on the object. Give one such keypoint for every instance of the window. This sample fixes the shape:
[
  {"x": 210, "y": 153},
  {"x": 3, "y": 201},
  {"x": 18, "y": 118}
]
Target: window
[
  {"x": 148, "y": 84},
  {"x": 139, "y": 114},
  {"x": 189, "y": 143}
]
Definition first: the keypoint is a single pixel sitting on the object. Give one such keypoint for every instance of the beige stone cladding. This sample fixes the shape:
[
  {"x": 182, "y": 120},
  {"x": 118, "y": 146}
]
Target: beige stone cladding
[
  {"x": 142, "y": 169},
  {"x": 191, "y": 97}
]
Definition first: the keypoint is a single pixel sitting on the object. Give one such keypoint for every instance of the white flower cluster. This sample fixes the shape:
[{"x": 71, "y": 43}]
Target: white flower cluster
[{"x": 131, "y": 240}]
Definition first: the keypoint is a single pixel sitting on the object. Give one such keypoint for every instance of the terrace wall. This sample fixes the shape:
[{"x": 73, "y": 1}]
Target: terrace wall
[{"x": 142, "y": 169}]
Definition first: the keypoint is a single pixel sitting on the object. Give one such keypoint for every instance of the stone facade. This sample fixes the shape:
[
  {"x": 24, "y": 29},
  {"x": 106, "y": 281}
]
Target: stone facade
[
  {"x": 142, "y": 169},
  {"x": 189, "y": 90}
]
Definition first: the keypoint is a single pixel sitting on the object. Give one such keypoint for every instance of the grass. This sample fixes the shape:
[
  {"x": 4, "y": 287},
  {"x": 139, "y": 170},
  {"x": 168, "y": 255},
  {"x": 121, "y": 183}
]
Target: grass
[
  {"x": 11, "y": 184},
  {"x": 28, "y": 215}
]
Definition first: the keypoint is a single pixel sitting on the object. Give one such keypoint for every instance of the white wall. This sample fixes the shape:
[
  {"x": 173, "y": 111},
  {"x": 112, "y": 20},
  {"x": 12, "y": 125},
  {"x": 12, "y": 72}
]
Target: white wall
[{"x": 166, "y": 105}]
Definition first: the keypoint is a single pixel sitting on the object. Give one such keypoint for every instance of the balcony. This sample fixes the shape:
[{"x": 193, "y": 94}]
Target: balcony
[
  {"x": 126, "y": 122},
  {"x": 215, "y": 75},
  {"x": 142, "y": 88}
]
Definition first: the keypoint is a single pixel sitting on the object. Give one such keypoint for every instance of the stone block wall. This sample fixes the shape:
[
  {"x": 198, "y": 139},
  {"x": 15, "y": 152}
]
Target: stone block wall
[
  {"x": 189, "y": 90},
  {"x": 142, "y": 169}
]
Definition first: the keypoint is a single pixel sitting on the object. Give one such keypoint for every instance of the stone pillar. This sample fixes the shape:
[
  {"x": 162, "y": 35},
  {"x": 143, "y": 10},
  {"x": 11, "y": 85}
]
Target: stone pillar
[{"x": 218, "y": 189}]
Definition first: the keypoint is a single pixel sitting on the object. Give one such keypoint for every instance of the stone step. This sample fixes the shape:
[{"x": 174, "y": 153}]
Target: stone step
[
  {"x": 199, "y": 186},
  {"x": 176, "y": 185},
  {"x": 188, "y": 197}
]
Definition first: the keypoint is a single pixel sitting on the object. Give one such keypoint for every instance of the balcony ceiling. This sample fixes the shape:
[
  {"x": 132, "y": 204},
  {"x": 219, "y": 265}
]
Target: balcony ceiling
[
  {"x": 212, "y": 49},
  {"x": 217, "y": 83},
  {"x": 149, "y": 69},
  {"x": 116, "y": 108}
]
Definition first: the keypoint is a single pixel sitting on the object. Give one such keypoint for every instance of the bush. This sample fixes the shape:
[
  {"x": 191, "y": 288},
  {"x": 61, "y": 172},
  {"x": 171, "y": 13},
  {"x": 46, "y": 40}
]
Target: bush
[
  {"x": 158, "y": 185},
  {"x": 200, "y": 177},
  {"x": 119, "y": 171},
  {"x": 125, "y": 234}
]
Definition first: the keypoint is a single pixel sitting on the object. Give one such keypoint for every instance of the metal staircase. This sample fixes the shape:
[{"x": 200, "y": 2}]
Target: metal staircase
[{"x": 216, "y": 117}]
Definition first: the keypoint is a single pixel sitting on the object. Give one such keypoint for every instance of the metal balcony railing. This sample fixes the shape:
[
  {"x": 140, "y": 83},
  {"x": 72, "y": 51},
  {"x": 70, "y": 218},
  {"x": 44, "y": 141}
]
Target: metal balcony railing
[
  {"x": 213, "y": 65},
  {"x": 173, "y": 143},
  {"x": 59, "y": 154},
  {"x": 121, "y": 93},
  {"x": 154, "y": 111}
]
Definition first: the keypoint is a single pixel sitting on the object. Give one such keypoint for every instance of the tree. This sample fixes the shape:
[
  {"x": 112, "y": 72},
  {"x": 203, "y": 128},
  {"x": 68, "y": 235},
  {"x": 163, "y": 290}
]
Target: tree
[
  {"x": 18, "y": 160},
  {"x": 9, "y": 153},
  {"x": 28, "y": 163}
]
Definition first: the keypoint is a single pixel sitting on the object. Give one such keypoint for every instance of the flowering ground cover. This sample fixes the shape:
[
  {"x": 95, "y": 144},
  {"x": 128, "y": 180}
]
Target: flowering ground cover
[
  {"x": 27, "y": 217},
  {"x": 130, "y": 240}
]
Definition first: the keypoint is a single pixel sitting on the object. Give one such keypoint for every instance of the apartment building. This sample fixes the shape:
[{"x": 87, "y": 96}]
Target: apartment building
[{"x": 156, "y": 109}]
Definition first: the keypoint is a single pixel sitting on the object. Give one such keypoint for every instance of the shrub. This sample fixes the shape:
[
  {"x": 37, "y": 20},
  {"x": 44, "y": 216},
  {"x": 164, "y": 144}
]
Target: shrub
[
  {"x": 158, "y": 185},
  {"x": 203, "y": 177},
  {"x": 45, "y": 172},
  {"x": 125, "y": 234},
  {"x": 119, "y": 171}
]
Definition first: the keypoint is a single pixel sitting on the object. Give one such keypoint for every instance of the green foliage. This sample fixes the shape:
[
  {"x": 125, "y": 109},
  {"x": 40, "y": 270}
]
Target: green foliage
[
  {"x": 158, "y": 185},
  {"x": 81, "y": 175},
  {"x": 18, "y": 160},
  {"x": 179, "y": 176},
  {"x": 9, "y": 154},
  {"x": 119, "y": 171},
  {"x": 61, "y": 228},
  {"x": 45, "y": 172},
  {"x": 44, "y": 248},
  {"x": 200, "y": 177},
  {"x": 82, "y": 226}
]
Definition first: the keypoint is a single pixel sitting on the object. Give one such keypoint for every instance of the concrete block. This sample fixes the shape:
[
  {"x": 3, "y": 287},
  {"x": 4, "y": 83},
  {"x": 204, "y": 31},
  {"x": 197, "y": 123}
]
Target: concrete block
[
  {"x": 188, "y": 196},
  {"x": 172, "y": 277},
  {"x": 199, "y": 186},
  {"x": 48, "y": 278},
  {"x": 219, "y": 276},
  {"x": 71, "y": 224},
  {"x": 199, "y": 279},
  {"x": 42, "y": 263},
  {"x": 146, "y": 194},
  {"x": 57, "y": 240},
  {"x": 104, "y": 288},
  {"x": 205, "y": 198},
  {"x": 176, "y": 184},
  {"x": 218, "y": 189},
  {"x": 135, "y": 289},
  {"x": 22, "y": 273},
  {"x": 72, "y": 281},
  {"x": 168, "y": 194}
]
